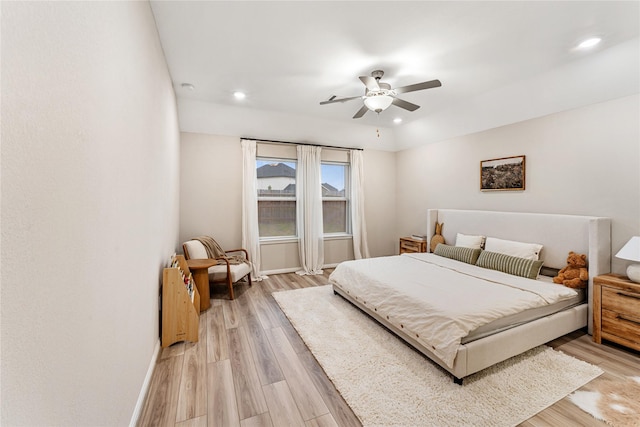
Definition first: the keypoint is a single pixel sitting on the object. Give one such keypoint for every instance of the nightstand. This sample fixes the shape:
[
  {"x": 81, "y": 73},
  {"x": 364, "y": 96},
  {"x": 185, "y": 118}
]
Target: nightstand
[
  {"x": 410, "y": 245},
  {"x": 616, "y": 310}
]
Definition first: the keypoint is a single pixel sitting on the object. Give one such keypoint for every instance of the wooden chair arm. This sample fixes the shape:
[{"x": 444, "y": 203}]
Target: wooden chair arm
[
  {"x": 228, "y": 265},
  {"x": 246, "y": 254}
]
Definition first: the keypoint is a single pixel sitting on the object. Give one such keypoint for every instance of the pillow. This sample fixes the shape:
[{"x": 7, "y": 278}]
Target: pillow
[
  {"x": 509, "y": 264},
  {"x": 509, "y": 247},
  {"x": 459, "y": 253},
  {"x": 196, "y": 249},
  {"x": 468, "y": 241}
]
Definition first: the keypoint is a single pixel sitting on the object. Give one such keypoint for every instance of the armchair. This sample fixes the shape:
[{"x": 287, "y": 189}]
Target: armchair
[{"x": 225, "y": 271}]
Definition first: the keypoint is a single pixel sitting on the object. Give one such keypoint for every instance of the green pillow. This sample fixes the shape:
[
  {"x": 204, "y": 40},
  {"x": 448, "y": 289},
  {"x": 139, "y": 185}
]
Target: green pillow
[
  {"x": 459, "y": 253},
  {"x": 510, "y": 264}
]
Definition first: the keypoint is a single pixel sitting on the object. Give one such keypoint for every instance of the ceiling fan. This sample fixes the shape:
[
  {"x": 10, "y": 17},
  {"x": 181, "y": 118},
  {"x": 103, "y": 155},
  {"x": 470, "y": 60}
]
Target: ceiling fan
[{"x": 379, "y": 96}]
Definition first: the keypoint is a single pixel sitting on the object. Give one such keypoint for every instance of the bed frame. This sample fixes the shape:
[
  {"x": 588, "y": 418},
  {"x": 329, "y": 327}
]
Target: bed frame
[{"x": 559, "y": 234}]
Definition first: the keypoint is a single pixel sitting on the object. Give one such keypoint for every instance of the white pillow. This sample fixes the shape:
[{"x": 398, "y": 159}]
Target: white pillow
[
  {"x": 196, "y": 249},
  {"x": 469, "y": 241},
  {"x": 517, "y": 249}
]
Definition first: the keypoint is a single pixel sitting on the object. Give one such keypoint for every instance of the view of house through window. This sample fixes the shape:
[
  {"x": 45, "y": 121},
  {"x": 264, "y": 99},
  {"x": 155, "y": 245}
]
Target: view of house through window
[
  {"x": 335, "y": 177},
  {"x": 277, "y": 197}
]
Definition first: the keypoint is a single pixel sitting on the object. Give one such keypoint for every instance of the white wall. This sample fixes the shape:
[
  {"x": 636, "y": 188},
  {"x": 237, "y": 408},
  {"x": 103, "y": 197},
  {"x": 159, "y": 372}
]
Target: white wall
[
  {"x": 89, "y": 208},
  {"x": 584, "y": 161},
  {"x": 211, "y": 204}
]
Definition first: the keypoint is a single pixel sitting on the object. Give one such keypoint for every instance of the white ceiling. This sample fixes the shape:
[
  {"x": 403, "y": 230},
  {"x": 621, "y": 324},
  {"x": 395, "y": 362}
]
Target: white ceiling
[{"x": 289, "y": 56}]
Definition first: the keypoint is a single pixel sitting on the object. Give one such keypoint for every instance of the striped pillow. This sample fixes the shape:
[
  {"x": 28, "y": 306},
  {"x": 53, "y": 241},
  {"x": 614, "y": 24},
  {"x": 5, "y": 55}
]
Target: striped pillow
[
  {"x": 510, "y": 264},
  {"x": 459, "y": 253}
]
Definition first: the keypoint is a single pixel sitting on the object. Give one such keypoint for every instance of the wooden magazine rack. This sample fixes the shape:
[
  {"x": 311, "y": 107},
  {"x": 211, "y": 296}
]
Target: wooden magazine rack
[{"x": 180, "y": 304}]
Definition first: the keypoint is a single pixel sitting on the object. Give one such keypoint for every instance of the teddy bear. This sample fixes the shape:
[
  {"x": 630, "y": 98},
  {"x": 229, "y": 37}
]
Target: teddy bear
[{"x": 575, "y": 274}]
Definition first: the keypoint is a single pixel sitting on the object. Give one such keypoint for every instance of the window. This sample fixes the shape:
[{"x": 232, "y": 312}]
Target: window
[
  {"x": 276, "y": 197},
  {"x": 335, "y": 198}
]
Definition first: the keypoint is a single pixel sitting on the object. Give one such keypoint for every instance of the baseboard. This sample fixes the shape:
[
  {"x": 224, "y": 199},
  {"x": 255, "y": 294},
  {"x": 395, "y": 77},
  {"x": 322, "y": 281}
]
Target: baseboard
[
  {"x": 137, "y": 411},
  {"x": 293, "y": 270},
  {"x": 280, "y": 271}
]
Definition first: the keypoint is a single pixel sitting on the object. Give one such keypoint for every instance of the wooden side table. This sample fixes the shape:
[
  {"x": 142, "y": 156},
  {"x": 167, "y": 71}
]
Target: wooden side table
[
  {"x": 410, "y": 245},
  {"x": 616, "y": 310},
  {"x": 200, "y": 270}
]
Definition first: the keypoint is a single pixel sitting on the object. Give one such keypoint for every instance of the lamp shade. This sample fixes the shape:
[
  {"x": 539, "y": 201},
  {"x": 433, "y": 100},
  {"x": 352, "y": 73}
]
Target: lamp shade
[
  {"x": 631, "y": 252},
  {"x": 378, "y": 103}
]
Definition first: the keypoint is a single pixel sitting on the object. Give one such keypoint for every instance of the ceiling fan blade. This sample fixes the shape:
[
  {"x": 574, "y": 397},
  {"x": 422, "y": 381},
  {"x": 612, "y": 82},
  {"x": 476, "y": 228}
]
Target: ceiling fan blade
[
  {"x": 361, "y": 112},
  {"x": 334, "y": 100},
  {"x": 370, "y": 82},
  {"x": 418, "y": 86},
  {"x": 404, "y": 104}
]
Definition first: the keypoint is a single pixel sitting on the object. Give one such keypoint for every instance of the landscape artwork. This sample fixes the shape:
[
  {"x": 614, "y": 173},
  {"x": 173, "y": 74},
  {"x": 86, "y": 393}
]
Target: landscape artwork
[{"x": 506, "y": 173}]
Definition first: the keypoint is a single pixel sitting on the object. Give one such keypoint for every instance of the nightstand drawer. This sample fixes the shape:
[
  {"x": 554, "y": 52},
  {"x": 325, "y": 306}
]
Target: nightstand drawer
[
  {"x": 410, "y": 245},
  {"x": 621, "y": 301},
  {"x": 407, "y": 244},
  {"x": 621, "y": 325}
]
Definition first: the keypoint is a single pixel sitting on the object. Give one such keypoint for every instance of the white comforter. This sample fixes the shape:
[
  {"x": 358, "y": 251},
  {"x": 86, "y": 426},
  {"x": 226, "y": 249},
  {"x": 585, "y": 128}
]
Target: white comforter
[{"x": 439, "y": 301}]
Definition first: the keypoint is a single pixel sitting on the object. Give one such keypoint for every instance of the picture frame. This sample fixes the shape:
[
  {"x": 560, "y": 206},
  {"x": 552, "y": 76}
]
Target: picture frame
[{"x": 503, "y": 174}]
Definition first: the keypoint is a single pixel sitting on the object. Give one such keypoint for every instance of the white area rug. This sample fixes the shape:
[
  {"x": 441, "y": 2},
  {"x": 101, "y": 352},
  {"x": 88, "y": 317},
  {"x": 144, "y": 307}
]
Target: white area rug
[
  {"x": 386, "y": 383},
  {"x": 616, "y": 402}
]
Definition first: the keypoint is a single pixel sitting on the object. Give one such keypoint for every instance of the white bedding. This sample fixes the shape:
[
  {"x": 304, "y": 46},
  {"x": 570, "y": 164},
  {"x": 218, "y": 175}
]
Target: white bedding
[{"x": 437, "y": 300}]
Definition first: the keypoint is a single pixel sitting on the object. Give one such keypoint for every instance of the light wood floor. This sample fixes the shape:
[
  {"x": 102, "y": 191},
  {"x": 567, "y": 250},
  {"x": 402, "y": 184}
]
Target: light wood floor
[{"x": 250, "y": 368}]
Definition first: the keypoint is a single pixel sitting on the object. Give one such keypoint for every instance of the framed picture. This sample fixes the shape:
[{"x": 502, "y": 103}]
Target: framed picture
[{"x": 502, "y": 174}]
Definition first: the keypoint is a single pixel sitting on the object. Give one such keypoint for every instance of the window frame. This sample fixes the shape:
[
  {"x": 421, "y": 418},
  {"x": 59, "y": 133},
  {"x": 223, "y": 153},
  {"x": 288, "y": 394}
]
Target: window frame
[{"x": 346, "y": 198}]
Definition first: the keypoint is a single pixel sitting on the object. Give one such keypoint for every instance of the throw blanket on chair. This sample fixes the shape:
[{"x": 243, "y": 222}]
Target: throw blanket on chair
[{"x": 214, "y": 250}]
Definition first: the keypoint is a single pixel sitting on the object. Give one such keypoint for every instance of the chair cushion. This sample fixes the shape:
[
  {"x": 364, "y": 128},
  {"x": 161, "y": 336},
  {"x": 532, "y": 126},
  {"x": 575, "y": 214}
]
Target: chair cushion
[
  {"x": 219, "y": 272},
  {"x": 196, "y": 250}
]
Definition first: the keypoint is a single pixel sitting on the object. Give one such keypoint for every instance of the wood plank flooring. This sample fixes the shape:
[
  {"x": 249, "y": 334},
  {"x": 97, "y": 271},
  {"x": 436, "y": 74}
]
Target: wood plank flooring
[{"x": 251, "y": 369}]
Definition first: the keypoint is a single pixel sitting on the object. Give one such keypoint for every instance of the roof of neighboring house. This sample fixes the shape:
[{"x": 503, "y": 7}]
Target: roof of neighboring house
[
  {"x": 273, "y": 170},
  {"x": 329, "y": 187}
]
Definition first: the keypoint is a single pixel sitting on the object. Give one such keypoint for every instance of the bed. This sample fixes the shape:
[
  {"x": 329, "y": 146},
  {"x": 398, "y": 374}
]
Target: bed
[{"x": 386, "y": 289}]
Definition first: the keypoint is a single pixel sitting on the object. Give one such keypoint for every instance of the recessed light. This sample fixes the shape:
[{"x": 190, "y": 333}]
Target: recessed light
[
  {"x": 188, "y": 86},
  {"x": 397, "y": 120},
  {"x": 589, "y": 43},
  {"x": 239, "y": 95}
]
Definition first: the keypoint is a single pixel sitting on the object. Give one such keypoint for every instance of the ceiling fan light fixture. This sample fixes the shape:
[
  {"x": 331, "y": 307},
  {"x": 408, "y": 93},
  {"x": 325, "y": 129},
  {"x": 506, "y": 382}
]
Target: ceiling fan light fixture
[{"x": 378, "y": 102}]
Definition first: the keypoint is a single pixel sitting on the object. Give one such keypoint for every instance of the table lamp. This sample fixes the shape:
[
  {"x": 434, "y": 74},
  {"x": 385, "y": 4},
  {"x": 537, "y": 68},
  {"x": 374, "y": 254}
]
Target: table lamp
[{"x": 631, "y": 252}]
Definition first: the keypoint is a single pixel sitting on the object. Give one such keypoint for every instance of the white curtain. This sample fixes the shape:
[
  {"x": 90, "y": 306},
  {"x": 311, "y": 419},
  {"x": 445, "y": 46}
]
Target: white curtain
[
  {"x": 358, "y": 223},
  {"x": 309, "y": 209},
  {"x": 250, "y": 231}
]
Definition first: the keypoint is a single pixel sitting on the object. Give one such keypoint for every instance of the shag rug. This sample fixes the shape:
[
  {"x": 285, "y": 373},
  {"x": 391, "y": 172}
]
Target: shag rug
[
  {"x": 387, "y": 383},
  {"x": 616, "y": 402}
]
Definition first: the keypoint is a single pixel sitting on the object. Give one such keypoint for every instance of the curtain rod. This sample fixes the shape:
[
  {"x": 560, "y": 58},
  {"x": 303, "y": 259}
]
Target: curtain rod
[{"x": 301, "y": 143}]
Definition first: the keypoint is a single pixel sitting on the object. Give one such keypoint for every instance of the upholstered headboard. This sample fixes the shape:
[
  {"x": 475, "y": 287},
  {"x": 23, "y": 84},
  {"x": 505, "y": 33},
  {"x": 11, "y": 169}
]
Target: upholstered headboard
[{"x": 559, "y": 234}]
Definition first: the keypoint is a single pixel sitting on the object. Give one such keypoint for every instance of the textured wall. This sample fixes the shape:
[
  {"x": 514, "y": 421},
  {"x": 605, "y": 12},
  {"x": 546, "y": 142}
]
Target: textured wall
[
  {"x": 583, "y": 162},
  {"x": 211, "y": 201},
  {"x": 89, "y": 208}
]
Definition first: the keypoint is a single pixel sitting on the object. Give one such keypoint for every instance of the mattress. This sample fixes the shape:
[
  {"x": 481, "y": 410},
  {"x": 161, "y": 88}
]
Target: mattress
[{"x": 526, "y": 316}]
